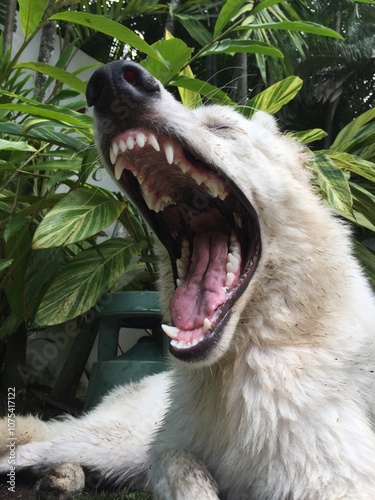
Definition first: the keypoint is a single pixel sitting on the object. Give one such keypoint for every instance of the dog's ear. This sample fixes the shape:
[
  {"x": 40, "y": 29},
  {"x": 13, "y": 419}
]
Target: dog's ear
[{"x": 265, "y": 120}]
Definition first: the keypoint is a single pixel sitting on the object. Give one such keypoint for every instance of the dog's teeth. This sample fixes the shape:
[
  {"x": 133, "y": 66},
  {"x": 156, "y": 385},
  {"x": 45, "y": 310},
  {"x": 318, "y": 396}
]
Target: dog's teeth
[
  {"x": 234, "y": 259},
  {"x": 229, "y": 279},
  {"x": 199, "y": 178},
  {"x": 216, "y": 189},
  {"x": 185, "y": 249},
  {"x": 179, "y": 344},
  {"x": 149, "y": 197},
  {"x": 182, "y": 267},
  {"x": 194, "y": 342},
  {"x": 179, "y": 282},
  {"x": 152, "y": 140},
  {"x": 235, "y": 246},
  {"x": 183, "y": 167},
  {"x": 237, "y": 220},
  {"x": 169, "y": 152},
  {"x": 141, "y": 140},
  {"x": 130, "y": 143},
  {"x": 232, "y": 267},
  {"x": 171, "y": 331},
  {"x": 119, "y": 167},
  {"x": 122, "y": 145},
  {"x": 206, "y": 325},
  {"x": 113, "y": 152}
]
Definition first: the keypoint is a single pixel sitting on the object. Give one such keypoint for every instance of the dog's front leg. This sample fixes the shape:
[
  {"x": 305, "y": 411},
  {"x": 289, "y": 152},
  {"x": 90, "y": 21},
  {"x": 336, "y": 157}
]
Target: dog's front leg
[{"x": 178, "y": 475}]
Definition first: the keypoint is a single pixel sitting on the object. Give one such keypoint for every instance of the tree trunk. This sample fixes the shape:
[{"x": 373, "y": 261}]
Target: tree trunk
[
  {"x": 240, "y": 84},
  {"x": 10, "y": 19},
  {"x": 46, "y": 49},
  {"x": 170, "y": 22}
]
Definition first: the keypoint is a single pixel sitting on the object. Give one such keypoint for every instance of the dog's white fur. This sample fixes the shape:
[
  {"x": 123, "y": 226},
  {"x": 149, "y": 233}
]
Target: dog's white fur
[{"x": 284, "y": 407}]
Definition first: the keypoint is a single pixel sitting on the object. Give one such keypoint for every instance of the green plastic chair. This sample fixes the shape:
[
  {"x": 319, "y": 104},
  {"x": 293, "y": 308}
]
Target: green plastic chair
[{"x": 148, "y": 356}]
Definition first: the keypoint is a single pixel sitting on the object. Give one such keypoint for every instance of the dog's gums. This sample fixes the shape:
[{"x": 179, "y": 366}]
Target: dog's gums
[{"x": 210, "y": 231}]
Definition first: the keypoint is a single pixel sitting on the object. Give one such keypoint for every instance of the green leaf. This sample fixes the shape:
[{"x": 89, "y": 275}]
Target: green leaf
[
  {"x": 90, "y": 274},
  {"x": 58, "y": 74},
  {"x": 367, "y": 259},
  {"x": 110, "y": 28},
  {"x": 363, "y": 201},
  {"x": 5, "y": 263},
  {"x": 308, "y": 136},
  {"x": 212, "y": 93},
  {"x": 229, "y": 11},
  {"x": 80, "y": 214},
  {"x": 333, "y": 183},
  {"x": 274, "y": 97},
  {"x": 229, "y": 46},
  {"x": 349, "y": 132},
  {"x": 31, "y": 13},
  {"x": 71, "y": 165},
  {"x": 175, "y": 51},
  {"x": 306, "y": 27},
  {"x": 370, "y": 2},
  {"x": 196, "y": 30},
  {"x": 265, "y": 4},
  {"x": 51, "y": 112},
  {"x": 15, "y": 145},
  {"x": 17, "y": 240},
  {"x": 354, "y": 164}
]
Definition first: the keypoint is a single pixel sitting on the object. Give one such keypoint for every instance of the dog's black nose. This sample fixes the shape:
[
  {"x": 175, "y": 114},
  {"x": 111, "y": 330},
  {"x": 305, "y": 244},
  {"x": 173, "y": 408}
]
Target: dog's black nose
[{"x": 120, "y": 82}]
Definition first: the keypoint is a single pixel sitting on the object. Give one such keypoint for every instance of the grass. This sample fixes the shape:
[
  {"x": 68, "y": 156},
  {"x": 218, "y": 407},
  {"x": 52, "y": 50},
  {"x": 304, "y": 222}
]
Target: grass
[{"x": 120, "y": 495}]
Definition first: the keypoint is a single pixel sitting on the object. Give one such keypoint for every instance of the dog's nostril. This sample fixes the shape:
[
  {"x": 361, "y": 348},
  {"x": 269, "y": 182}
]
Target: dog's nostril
[
  {"x": 129, "y": 76},
  {"x": 124, "y": 80}
]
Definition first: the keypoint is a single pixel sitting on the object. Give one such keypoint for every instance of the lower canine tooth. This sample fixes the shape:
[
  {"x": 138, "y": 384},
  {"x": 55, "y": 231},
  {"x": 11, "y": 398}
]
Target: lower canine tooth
[
  {"x": 171, "y": 331},
  {"x": 206, "y": 325}
]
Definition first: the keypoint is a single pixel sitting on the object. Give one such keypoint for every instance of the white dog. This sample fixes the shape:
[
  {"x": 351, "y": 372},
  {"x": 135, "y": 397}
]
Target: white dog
[{"x": 271, "y": 321}]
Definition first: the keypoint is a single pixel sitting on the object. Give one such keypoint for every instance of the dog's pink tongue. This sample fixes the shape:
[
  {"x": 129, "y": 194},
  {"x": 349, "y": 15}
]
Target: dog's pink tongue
[{"x": 202, "y": 293}]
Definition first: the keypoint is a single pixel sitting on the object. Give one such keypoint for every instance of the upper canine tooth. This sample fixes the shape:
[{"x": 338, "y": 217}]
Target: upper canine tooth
[
  {"x": 154, "y": 142},
  {"x": 171, "y": 331},
  {"x": 130, "y": 142},
  {"x": 113, "y": 152},
  {"x": 169, "y": 152},
  {"x": 141, "y": 140},
  {"x": 120, "y": 165}
]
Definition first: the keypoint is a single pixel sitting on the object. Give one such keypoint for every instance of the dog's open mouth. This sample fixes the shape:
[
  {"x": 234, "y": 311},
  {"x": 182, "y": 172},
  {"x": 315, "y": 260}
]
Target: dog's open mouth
[{"x": 205, "y": 222}]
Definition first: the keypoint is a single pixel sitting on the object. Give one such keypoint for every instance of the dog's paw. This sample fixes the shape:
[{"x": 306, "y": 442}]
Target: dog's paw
[
  {"x": 182, "y": 475},
  {"x": 26, "y": 429},
  {"x": 61, "y": 481}
]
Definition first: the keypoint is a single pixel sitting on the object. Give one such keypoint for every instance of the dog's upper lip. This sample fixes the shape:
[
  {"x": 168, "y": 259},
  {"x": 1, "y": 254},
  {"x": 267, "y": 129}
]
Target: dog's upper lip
[{"x": 199, "y": 216}]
